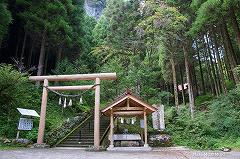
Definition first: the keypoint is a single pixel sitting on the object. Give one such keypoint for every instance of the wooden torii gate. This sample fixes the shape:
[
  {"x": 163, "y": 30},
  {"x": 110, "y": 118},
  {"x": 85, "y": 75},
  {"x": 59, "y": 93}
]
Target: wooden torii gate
[{"x": 76, "y": 77}]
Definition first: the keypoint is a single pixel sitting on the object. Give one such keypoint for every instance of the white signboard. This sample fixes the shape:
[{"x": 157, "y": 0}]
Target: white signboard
[
  {"x": 28, "y": 112},
  {"x": 25, "y": 124}
]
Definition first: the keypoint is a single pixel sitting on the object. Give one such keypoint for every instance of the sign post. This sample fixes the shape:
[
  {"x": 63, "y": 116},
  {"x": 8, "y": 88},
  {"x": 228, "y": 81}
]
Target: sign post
[{"x": 24, "y": 122}]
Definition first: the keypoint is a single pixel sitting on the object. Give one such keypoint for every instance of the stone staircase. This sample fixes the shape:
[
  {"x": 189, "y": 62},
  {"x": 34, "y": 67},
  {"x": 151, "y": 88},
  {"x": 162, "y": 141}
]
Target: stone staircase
[{"x": 83, "y": 137}]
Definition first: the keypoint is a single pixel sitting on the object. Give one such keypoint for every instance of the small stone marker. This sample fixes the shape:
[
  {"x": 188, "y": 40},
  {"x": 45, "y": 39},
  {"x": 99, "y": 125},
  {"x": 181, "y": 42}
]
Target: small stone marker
[
  {"x": 161, "y": 117},
  {"x": 158, "y": 118},
  {"x": 155, "y": 120}
]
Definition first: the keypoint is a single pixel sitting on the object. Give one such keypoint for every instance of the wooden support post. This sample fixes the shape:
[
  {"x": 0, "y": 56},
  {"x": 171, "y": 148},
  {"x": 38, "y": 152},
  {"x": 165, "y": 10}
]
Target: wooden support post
[
  {"x": 18, "y": 134},
  {"x": 145, "y": 128},
  {"x": 111, "y": 130},
  {"x": 43, "y": 113},
  {"x": 96, "y": 115}
]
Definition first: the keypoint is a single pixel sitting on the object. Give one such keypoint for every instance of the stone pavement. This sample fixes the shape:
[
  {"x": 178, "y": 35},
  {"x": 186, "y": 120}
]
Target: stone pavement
[{"x": 82, "y": 154}]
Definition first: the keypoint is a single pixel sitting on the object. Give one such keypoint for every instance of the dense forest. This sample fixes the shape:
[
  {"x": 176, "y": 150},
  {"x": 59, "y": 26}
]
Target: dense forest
[{"x": 181, "y": 53}]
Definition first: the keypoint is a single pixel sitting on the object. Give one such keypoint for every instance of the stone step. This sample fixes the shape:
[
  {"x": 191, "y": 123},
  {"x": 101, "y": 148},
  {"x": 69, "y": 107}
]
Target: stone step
[
  {"x": 74, "y": 145},
  {"x": 82, "y": 139},
  {"x": 79, "y": 143},
  {"x": 84, "y": 136}
]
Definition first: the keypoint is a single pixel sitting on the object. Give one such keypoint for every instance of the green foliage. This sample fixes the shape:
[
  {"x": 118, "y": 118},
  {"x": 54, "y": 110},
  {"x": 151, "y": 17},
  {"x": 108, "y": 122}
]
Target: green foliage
[
  {"x": 115, "y": 31},
  {"x": 225, "y": 111},
  {"x": 5, "y": 17},
  {"x": 237, "y": 71},
  {"x": 163, "y": 27},
  {"x": 208, "y": 13},
  {"x": 15, "y": 91},
  {"x": 32, "y": 135},
  {"x": 203, "y": 101},
  {"x": 165, "y": 97},
  {"x": 230, "y": 84},
  {"x": 67, "y": 67},
  {"x": 212, "y": 129},
  {"x": 40, "y": 16}
]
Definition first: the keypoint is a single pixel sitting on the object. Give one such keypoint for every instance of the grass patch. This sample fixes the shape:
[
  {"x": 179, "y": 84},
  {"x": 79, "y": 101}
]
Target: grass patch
[{"x": 10, "y": 147}]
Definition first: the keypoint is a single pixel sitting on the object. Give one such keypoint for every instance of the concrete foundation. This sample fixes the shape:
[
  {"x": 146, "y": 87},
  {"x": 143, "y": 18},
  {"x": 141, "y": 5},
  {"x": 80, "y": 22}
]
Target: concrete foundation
[{"x": 130, "y": 149}]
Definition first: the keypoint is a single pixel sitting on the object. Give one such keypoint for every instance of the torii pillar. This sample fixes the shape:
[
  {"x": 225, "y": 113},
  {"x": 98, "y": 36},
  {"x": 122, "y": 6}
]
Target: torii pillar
[{"x": 96, "y": 114}]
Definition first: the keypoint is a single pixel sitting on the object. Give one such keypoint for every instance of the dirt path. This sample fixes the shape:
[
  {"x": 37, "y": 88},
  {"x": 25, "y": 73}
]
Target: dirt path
[{"x": 81, "y": 154}]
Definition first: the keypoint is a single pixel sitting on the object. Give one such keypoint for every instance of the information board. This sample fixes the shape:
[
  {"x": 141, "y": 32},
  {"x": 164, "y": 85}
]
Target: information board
[{"x": 25, "y": 124}]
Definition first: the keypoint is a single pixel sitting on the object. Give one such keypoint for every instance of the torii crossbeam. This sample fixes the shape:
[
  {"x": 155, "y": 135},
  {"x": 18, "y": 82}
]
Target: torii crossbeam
[{"x": 75, "y": 77}]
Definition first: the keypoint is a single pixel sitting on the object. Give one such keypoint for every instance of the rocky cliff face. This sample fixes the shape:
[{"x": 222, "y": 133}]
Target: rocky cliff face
[{"x": 94, "y": 8}]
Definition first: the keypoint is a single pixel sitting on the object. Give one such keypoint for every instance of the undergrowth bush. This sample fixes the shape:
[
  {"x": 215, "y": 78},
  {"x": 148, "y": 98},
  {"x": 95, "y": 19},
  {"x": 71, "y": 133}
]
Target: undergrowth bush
[{"x": 212, "y": 129}]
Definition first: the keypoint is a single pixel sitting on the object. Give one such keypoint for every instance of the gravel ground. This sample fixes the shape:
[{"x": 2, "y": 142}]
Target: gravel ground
[{"x": 82, "y": 154}]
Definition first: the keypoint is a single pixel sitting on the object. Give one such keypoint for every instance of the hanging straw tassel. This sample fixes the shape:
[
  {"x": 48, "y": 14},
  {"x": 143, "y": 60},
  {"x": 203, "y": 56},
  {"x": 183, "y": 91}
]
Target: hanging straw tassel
[
  {"x": 60, "y": 101},
  {"x": 122, "y": 120},
  {"x": 133, "y": 120},
  {"x": 65, "y": 103},
  {"x": 70, "y": 102},
  {"x": 81, "y": 100}
]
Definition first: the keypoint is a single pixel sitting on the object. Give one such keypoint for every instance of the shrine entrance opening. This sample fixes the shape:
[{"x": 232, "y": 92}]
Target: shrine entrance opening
[
  {"x": 128, "y": 105},
  {"x": 76, "y": 77}
]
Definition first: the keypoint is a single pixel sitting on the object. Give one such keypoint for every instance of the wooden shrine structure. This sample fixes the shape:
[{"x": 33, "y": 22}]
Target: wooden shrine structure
[
  {"x": 128, "y": 105},
  {"x": 76, "y": 77}
]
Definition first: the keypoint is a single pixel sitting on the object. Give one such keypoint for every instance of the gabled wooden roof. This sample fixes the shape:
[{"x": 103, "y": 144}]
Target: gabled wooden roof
[{"x": 128, "y": 104}]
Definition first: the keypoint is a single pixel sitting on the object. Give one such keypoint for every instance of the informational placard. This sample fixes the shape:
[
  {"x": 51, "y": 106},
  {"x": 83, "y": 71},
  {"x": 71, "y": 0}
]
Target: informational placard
[{"x": 25, "y": 124}]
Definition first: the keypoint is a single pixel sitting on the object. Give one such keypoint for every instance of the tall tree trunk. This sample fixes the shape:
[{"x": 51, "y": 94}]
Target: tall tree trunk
[
  {"x": 17, "y": 47},
  {"x": 59, "y": 55},
  {"x": 219, "y": 62},
  {"x": 200, "y": 66},
  {"x": 174, "y": 76},
  {"x": 41, "y": 57},
  {"x": 230, "y": 51},
  {"x": 194, "y": 79},
  {"x": 235, "y": 25},
  {"x": 46, "y": 64},
  {"x": 212, "y": 66},
  {"x": 215, "y": 65},
  {"x": 23, "y": 46},
  {"x": 209, "y": 74},
  {"x": 181, "y": 75},
  {"x": 189, "y": 81},
  {"x": 31, "y": 52},
  {"x": 226, "y": 60}
]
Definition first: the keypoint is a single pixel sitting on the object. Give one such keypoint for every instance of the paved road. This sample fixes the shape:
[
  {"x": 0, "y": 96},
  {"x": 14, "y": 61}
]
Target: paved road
[{"x": 81, "y": 154}]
